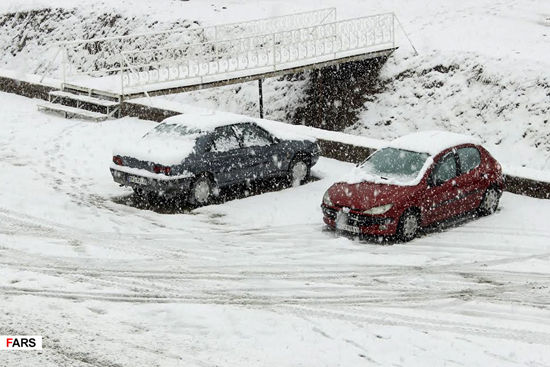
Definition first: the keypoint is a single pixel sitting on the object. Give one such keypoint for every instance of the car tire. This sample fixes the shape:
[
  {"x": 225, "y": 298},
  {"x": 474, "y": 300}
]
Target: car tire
[
  {"x": 408, "y": 226},
  {"x": 489, "y": 202},
  {"x": 201, "y": 190},
  {"x": 298, "y": 171}
]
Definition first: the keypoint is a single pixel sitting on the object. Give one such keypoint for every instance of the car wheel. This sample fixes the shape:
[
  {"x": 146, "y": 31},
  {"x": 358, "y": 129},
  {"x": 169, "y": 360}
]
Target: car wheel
[
  {"x": 408, "y": 226},
  {"x": 299, "y": 171},
  {"x": 201, "y": 190},
  {"x": 489, "y": 203}
]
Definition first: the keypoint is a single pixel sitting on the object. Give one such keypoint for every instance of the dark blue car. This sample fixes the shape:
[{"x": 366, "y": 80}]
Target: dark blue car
[{"x": 195, "y": 155}]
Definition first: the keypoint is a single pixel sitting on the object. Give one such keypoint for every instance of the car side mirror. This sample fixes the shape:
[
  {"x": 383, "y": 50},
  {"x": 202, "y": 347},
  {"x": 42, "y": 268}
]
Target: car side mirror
[{"x": 275, "y": 140}]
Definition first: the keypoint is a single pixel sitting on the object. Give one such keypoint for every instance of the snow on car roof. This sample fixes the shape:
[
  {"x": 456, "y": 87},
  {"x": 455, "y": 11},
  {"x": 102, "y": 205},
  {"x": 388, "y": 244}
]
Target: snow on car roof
[
  {"x": 207, "y": 122},
  {"x": 431, "y": 142}
]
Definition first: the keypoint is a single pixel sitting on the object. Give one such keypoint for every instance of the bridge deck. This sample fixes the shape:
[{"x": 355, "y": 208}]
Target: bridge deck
[
  {"x": 112, "y": 84},
  {"x": 234, "y": 53}
]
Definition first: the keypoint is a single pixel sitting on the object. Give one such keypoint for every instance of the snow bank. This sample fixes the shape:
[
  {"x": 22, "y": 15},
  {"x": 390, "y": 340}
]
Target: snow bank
[{"x": 504, "y": 103}]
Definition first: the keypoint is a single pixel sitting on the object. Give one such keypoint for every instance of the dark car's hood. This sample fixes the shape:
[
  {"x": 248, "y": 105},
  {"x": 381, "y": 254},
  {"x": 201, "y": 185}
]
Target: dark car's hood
[{"x": 366, "y": 195}]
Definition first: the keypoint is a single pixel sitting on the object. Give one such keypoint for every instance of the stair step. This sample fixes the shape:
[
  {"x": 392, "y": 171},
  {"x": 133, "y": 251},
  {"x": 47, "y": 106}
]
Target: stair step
[
  {"x": 84, "y": 98},
  {"x": 76, "y": 89},
  {"x": 70, "y": 112}
]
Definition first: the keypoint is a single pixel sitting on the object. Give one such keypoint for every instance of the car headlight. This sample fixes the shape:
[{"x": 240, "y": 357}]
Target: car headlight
[
  {"x": 378, "y": 209},
  {"x": 326, "y": 199}
]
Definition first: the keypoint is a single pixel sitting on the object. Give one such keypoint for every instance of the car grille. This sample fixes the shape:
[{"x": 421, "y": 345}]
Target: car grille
[
  {"x": 364, "y": 220},
  {"x": 354, "y": 219}
]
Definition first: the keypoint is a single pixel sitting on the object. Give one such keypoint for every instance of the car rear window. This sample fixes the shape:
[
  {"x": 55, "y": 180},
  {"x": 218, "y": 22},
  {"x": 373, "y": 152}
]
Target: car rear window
[
  {"x": 469, "y": 158},
  {"x": 173, "y": 129}
]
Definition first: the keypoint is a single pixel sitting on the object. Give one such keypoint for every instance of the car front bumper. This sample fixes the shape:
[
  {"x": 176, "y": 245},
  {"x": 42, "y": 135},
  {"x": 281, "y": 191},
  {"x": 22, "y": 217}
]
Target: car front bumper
[
  {"x": 357, "y": 223},
  {"x": 167, "y": 187}
]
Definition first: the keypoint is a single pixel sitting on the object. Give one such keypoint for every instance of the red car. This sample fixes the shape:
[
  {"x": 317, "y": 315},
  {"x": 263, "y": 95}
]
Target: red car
[{"x": 416, "y": 180}]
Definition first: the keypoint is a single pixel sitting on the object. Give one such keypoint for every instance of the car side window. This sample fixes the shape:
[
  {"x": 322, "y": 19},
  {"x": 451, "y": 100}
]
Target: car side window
[
  {"x": 445, "y": 169},
  {"x": 253, "y": 136},
  {"x": 469, "y": 159},
  {"x": 224, "y": 140}
]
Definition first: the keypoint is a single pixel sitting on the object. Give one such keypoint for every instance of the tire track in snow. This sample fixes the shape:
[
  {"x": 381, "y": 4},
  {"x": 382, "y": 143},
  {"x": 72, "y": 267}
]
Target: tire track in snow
[{"x": 424, "y": 324}]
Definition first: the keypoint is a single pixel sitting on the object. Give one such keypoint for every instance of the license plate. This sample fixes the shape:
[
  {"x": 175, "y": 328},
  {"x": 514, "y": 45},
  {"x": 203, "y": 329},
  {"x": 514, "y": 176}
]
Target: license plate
[
  {"x": 342, "y": 223},
  {"x": 348, "y": 228},
  {"x": 137, "y": 180}
]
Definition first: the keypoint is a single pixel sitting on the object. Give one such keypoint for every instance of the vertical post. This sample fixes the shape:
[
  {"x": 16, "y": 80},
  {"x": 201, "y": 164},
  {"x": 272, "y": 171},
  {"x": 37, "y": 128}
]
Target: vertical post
[
  {"x": 273, "y": 50},
  {"x": 64, "y": 66},
  {"x": 261, "y": 95},
  {"x": 122, "y": 65},
  {"x": 393, "y": 28}
]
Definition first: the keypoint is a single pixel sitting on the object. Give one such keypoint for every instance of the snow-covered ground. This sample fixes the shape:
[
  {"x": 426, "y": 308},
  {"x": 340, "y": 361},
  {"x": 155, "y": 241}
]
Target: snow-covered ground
[
  {"x": 252, "y": 282},
  {"x": 258, "y": 281}
]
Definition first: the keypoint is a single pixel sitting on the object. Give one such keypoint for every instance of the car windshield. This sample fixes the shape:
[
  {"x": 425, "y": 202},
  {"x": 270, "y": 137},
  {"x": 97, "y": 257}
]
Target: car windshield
[
  {"x": 173, "y": 130},
  {"x": 395, "y": 163}
]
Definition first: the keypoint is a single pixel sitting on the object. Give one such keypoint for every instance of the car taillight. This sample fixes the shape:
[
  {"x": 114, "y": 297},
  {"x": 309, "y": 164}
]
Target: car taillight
[
  {"x": 117, "y": 160},
  {"x": 162, "y": 169}
]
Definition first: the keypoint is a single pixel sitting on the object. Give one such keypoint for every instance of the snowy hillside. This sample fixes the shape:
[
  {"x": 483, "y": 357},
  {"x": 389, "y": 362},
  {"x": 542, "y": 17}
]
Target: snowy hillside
[{"x": 481, "y": 69}]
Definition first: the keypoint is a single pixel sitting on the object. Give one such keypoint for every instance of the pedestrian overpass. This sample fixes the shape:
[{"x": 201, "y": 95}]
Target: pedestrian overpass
[{"x": 98, "y": 74}]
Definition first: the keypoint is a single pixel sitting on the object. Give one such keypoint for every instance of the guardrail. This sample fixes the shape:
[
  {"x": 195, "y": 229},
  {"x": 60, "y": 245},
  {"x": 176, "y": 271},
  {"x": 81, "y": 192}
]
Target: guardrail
[
  {"x": 273, "y": 51},
  {"x": 102, "y": 56}
]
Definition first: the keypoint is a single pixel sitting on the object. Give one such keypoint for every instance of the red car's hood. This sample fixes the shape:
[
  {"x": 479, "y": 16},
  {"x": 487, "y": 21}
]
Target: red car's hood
[{"x": 366, "y": 195}]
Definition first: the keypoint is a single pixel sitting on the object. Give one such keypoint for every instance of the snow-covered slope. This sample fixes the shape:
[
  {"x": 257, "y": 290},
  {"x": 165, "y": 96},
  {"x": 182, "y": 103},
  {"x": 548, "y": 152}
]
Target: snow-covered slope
[{"x": 504, "y": 104}]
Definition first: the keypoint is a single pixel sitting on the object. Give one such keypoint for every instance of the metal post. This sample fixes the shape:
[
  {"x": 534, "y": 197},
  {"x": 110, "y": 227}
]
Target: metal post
[
  {"x": 261, "y": 102},
  {"x": 393, "y": 29},
  {"x": 64, "y": 61}
]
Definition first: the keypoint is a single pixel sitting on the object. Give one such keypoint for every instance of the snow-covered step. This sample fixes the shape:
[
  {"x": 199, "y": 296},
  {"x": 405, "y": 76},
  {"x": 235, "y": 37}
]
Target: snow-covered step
[
  {"x": 82, "y": 98},
  {"x": 77, "y": 89},
  {"x": 70, "y": 112}
]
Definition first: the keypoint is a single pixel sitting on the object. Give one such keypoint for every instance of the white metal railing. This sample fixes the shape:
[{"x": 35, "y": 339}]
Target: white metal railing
[
  {"x": 102, "y": 56},
  {"x": 272, "y": 51}
]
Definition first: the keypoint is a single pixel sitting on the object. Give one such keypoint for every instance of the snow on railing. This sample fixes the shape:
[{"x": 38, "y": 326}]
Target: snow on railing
[
  {"x": 102, "y": 56},
  {"x": 258, "y": 53}
]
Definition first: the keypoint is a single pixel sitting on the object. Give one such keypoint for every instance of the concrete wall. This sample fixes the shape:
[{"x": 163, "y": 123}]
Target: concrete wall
[{"x": 25, "y": 89}]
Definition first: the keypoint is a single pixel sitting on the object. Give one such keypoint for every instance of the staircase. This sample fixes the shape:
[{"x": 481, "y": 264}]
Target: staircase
[{"x": 80, "y": 102}]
